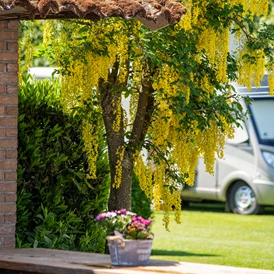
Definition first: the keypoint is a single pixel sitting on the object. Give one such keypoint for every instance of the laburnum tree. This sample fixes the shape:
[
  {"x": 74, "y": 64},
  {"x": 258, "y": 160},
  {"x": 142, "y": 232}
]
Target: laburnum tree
[{"x": 178, "y": 82}]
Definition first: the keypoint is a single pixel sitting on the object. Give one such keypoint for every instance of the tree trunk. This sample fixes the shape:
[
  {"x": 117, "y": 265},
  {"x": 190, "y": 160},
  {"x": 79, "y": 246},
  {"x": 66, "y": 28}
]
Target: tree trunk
[
  {"x": 120, "y": 198},
  {"x": 110, "y": 94}
]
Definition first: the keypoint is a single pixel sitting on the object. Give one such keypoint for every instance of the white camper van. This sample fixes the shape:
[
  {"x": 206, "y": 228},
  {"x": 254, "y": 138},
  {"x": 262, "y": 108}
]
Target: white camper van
[{"x": 244, "y": 179}]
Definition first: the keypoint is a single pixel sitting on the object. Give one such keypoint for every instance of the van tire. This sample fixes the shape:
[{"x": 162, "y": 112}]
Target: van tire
[{"x": 242, "y": 199}]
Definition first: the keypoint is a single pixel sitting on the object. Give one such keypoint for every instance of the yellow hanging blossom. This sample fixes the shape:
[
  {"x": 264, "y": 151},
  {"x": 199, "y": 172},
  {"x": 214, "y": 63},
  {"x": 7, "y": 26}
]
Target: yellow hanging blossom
[
  {"x": 90, "y": 137},
  {"x": 118, "y": 175}
]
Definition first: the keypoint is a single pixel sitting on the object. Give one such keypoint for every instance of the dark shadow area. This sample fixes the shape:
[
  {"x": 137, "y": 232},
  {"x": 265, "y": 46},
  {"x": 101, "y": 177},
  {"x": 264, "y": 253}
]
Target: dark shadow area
[
  {"x": 161, "y": 263},
  {"x": 160, "y": 252},
  {"x": 268, "y": 211},
  {"x": 152, "y": 262},
  {"x": 205, "y": 206},
  {"x": 213, "y": 206}
]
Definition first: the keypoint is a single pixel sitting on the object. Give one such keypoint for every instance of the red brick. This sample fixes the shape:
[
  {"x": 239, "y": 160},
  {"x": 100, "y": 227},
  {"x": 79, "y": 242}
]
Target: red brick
[
  {"x": 13, "y": 25},
  {"x": 8, "y": 143},
  {"x": 8, "y": 100},
  {"x": 2, "y": 219},
  {"x": 10, "y": 197},
  {"x": 8, "y": 56},
  {"x": 10, "y": 219},
  {"x": 12, "y": 67},
  {"x": 10, "y": 176},
  {"x": 2, "y": 154},
  {"x": 7, "y": 208},
  {"x": 11, "y": 132},
  {"x": 12, "y": 46},
  {"x": 8, "y": 78},
  {"x": 8, "y": 165},
  {"x": 12, "y": 111},
  {"x": 9, "y": 240},
  {"x": 7, "y": 230},
  {"x": 2, "y": 111},
  {"x": 9, "y": 35},
  {"x": 3, "y": 24},
  {"x": 2, "y": 88},
  {"x": 1, "y": 176},
  {"x": 11, "y": 154},
  {"x": 8, "y": 121},
  {"x": 12, "y": 89},
  {"x": 2, "y": 197},
  {"x": 2, "y": 132},
  {"x": 8, "y": 187},
  {"x": 1, "y": 45},
  {"x": 2, "y": 67}
]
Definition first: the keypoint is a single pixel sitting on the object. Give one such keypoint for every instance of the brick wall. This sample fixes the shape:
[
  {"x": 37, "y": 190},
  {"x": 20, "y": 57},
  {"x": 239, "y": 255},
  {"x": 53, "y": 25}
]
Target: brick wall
[{"x": 8, "y": 131}]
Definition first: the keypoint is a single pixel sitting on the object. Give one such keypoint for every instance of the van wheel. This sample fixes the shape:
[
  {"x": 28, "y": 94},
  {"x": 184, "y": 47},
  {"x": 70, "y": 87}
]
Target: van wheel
[{"x": 242, "y": 199}]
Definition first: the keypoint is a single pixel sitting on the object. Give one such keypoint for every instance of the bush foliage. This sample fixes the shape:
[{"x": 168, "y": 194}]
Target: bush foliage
[
  {"x": 141, "y": 205},
  {"x": 56, "y": 202}
]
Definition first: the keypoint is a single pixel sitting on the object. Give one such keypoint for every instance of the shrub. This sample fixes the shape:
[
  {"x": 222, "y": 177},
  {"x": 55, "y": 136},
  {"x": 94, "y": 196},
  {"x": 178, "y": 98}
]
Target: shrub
[
  {"x": 141, "y": 205},
  {"x": 56, "y": 202}
]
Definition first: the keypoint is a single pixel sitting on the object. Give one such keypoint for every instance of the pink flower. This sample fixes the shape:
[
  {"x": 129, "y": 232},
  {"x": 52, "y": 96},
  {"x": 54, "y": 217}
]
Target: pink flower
[
  {"x": 139, "y": 219},
  {"x": 148, "y": 222},
  {"x": 125, "y": 223},
  {"x": 122, "y": 212},
  {"x": 111, "y": 214},
  {"x": 100, "y": 216}
]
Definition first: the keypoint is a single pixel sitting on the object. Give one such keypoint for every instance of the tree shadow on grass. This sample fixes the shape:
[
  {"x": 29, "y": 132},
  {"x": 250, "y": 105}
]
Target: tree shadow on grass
[
  {"x": 214, "y": 206},
  {"x": 206, "y": 206},
  {"x": 160, "y": 252},
  {"x": 268, "y": 211}
]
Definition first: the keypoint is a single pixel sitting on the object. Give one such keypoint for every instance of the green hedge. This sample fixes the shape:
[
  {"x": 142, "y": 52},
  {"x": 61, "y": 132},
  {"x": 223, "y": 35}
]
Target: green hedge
[
  {"x": 56, "y": 204},
  {"x": 140, "y": 202}
]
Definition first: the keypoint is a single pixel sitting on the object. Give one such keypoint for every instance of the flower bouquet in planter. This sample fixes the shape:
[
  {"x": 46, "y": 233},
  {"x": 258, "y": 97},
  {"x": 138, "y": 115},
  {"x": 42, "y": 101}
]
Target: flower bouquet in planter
[{"x": 129, "y": 238}]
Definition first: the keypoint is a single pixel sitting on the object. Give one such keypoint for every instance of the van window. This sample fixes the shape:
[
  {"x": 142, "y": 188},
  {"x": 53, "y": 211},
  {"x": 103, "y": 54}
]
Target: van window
[{"x": 262, "y": 113}]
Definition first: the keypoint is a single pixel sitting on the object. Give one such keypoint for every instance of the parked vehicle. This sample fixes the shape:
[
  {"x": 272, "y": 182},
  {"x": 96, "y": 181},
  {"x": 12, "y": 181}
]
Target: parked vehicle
[{"x": 244, "y": 179}]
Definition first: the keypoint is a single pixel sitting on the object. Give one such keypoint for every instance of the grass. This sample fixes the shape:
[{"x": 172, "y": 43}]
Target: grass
[{"x": 215, "y": 237}]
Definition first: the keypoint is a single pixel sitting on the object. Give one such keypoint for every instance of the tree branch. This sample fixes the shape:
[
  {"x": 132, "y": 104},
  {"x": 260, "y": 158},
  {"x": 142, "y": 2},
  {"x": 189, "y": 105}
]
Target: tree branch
[{"x": 144, "y": 112}]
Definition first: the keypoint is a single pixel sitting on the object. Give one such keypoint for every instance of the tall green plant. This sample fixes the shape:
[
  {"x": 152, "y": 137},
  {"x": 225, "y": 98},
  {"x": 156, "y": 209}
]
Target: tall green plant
[{"x": 56, "y": 202}]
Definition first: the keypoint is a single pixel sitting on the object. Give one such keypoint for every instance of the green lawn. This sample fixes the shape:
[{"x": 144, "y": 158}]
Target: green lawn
[{"x": 207, "y": 236}]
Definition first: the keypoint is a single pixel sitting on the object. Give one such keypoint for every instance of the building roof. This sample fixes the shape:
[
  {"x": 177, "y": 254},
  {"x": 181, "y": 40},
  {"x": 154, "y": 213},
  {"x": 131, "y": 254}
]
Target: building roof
[{"x": 154, "y": 14}]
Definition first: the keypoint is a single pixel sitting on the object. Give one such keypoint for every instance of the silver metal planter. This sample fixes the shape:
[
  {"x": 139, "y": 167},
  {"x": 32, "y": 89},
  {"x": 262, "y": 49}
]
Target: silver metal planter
[{"x": 129, "y": 252}]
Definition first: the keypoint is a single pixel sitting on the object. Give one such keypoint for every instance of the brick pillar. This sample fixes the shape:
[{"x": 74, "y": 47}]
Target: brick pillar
[{"x": 8, "y": 130}]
